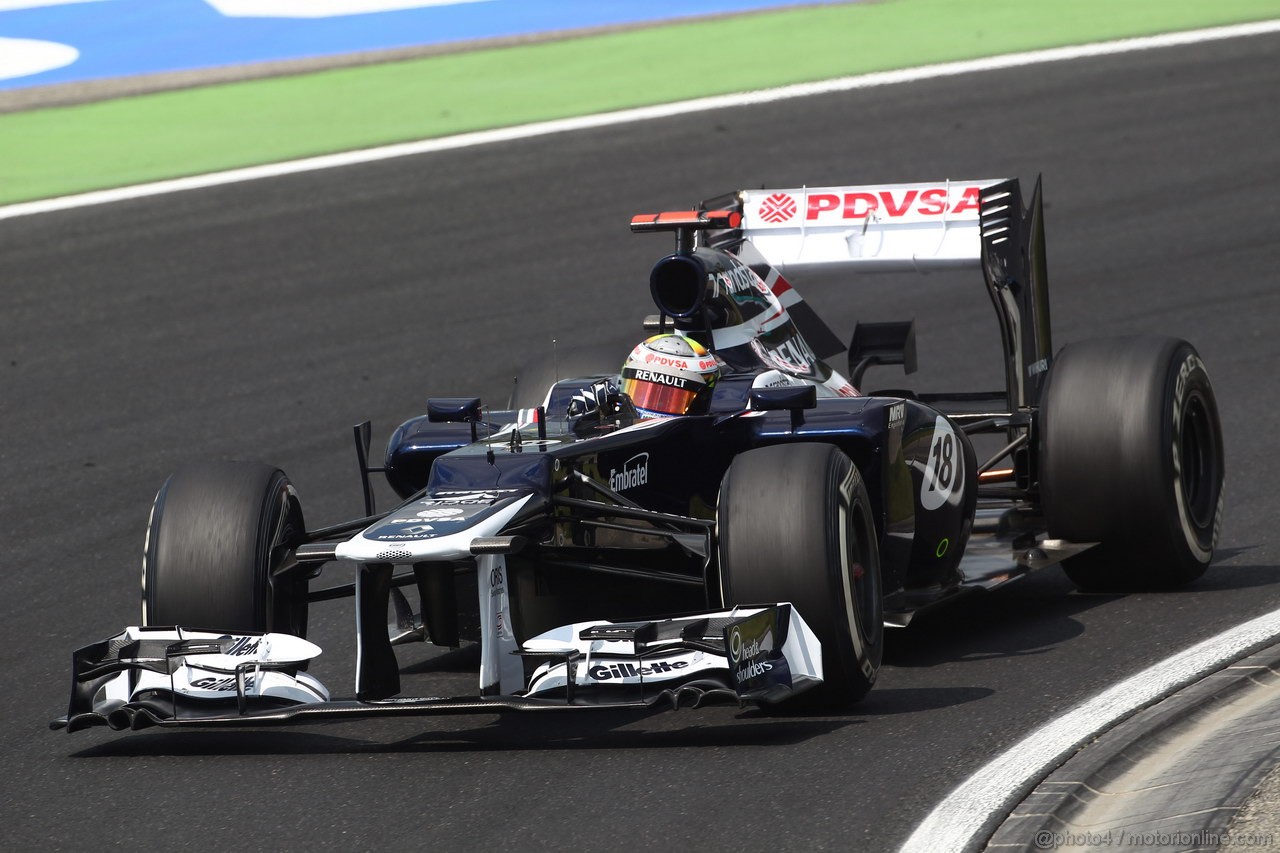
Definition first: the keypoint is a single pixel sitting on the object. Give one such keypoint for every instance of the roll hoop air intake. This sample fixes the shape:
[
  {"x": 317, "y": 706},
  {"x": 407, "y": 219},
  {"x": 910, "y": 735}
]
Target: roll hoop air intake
[{"x": 678, "y": 282}]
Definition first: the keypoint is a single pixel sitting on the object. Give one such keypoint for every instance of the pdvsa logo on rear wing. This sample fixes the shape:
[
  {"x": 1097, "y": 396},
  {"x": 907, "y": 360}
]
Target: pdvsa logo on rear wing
[
  {"x": 827, "y": 205},
  {"x": 890, "y": 226}
]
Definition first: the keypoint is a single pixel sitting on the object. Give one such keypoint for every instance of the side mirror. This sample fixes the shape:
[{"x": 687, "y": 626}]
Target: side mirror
[
  {"x": 453, "y": 409},
  {"x": 793, "y": 398}
]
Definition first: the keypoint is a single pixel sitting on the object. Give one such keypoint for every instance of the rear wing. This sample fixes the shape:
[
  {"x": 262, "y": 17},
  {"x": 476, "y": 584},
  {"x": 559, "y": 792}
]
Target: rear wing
[
  {"x": 891, "y": 227},
  {"x": 918, "y": 227}
]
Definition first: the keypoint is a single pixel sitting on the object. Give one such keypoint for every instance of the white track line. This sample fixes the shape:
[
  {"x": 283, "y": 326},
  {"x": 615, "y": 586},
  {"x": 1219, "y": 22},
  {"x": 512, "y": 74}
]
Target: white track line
[
  {"x": 467, "y": 140},
  {"x": 961, "y": 821}
]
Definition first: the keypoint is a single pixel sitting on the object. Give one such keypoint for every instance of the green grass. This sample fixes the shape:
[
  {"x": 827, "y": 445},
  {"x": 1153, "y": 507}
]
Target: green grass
[{"x": 64, "y": 150}]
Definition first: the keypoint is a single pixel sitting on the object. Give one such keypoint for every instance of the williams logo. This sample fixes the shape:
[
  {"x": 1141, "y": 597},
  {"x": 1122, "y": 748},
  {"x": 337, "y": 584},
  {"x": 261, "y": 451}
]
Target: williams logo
[{"x": 635, "y": 472}]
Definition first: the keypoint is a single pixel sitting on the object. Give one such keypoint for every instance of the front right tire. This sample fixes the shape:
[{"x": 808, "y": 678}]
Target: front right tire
[{"x": 794, "y": 524}]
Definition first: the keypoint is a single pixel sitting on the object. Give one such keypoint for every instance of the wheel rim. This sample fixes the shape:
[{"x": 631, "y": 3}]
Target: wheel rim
[
  {"x": 287, "y": 599},
  {"x": 1198, "y": 462},
  {"x": 865, "y": 592},
  {"x": 862, "y": 571}
]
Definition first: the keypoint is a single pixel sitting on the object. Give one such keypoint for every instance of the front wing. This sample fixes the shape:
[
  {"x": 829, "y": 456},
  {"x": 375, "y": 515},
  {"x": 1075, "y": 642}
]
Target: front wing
[{"x": 178, "y": 677}]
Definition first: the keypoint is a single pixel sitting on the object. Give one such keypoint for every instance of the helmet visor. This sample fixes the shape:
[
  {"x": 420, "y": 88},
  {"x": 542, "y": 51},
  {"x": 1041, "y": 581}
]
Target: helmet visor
[{"x": 659, "y": 398}]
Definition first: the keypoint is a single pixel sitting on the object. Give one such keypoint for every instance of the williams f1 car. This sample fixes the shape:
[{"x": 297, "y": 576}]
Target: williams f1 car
[{"x": 751, "y": 551}]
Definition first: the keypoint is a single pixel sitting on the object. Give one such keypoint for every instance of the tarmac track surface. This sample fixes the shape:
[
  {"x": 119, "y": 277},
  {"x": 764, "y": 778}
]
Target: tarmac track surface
[{"x": 261, "y": 320}]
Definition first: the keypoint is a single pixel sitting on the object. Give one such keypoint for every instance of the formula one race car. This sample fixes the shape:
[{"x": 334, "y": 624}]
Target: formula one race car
[{"x": 727, "y": 518}]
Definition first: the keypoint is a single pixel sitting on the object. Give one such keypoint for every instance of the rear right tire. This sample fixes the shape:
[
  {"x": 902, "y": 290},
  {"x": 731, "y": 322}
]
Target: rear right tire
[{"x": 1132, "y": 458}]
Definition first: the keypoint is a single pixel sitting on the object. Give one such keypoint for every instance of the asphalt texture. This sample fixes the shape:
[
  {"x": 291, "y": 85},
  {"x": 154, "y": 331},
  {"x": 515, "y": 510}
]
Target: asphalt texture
[{"x": 262, "y": 320}]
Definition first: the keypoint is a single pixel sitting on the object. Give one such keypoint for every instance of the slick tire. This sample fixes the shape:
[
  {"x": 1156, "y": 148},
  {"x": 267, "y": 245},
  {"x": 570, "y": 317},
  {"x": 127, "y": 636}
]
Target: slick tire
[
  {"x": 217, "y": 532},
  {"x": 1132, "y": 458},
  {"x": 567, "y": 363},
  {"x": 794, "y": 524}
]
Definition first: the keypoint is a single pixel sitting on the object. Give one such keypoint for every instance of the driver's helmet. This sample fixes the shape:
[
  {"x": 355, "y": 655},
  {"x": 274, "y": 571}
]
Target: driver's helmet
[{"x": 669, "y": 375}]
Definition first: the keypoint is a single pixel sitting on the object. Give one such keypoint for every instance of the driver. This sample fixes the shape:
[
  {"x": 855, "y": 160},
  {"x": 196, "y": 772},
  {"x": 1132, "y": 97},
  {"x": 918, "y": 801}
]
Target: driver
[{"x": 670, "y": 375}]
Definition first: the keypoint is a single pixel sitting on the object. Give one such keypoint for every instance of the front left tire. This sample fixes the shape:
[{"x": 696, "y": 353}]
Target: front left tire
[{"x": 218, "y": 532}]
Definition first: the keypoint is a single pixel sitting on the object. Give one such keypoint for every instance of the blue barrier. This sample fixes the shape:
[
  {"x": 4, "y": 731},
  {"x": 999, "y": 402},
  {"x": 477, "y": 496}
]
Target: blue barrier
[{"x": 62, "y": 41}]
